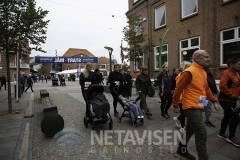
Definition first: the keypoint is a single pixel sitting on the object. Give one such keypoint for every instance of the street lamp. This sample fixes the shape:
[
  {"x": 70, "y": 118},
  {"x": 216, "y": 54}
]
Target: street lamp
[{"x": 110, "y": 56}]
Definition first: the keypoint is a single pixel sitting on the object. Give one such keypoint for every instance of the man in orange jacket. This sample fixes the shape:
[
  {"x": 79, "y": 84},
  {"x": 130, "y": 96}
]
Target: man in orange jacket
[{"x": 194, "y": 83}]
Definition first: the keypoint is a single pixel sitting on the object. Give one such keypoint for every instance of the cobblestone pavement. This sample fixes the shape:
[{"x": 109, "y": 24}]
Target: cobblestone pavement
[{"x": 78, "y": 142}]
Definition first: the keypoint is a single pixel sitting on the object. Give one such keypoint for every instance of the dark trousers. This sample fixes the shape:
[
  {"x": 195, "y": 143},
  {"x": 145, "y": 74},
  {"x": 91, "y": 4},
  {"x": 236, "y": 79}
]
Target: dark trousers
[
  {"x": 29, "y": 86},
  {"x": 196, "y": 126},
  {"x": 231, "y": 118},
  {"x": 87, "y": 104},
  {"x": 115, "y": 98},
  {"x": 3, "y": 84},
  {"x": 182, "y": 116},
  {"x": 166, "y": 102},
  {"x": 143, "y": 102},
  {"x": 23, "y": 87}
]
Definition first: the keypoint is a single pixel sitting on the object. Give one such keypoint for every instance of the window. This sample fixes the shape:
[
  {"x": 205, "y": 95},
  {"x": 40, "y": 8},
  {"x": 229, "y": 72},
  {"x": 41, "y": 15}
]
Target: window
[
  {"x": 230, "y": 44},
  {"x": 164, "y": 55},
  {"x": 188, "y": 47},
  {"x": 160, "y": 16},
  {"x": 138, "y": 26},
  {"x": 134, "y": 1},
  {"x": 189, "y": 7},
  {"x": 138, "y": 64}
]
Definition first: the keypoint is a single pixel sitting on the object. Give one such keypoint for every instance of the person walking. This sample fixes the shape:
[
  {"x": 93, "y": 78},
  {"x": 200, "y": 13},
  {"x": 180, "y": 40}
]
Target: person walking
[
  {"x": 193, "y": 81},
  {"x": 180, "y": 120},
  {"x": 164, "y": 84},
  {"x": 29, "y": 82},
  {"x": 128, "y": 78},
  {"x": 115, "y": 80},
  {"x": 46, "y": 79},
  {"x": 86, "y": 78},
  {"x": 98, "y": 76},
  {"x": 143, "y": 81},
  {"x": 23, "y": 82},
  {"x": 3, "y": 82},
  {"x": 212, "y": 84},
  {"x": 173, "y": 79},
  {"x": 228, "y": 96}
]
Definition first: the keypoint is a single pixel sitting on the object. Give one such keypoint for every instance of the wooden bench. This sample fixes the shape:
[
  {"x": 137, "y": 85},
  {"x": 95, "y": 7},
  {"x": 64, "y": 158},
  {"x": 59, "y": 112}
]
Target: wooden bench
[
  {"x": 52, "y": 121},
  {"x": 49, "y": 105},
  {"x": 44, "y": 93}
]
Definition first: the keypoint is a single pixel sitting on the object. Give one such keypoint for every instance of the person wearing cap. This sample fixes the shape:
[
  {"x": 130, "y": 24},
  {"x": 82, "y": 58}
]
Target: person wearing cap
[
  {"x": 29, "y": 82},
  {"x": 128, "y": 78}
]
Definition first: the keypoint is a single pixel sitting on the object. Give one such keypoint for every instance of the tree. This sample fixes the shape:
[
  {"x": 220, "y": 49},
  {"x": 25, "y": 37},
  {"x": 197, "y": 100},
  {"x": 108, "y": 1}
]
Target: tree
[
  {"x": 133, "y": 35},
  {"x": 42, "y": 70},
  {"x": 124, "y": 66},
  {"x": 21, "y": 24}
]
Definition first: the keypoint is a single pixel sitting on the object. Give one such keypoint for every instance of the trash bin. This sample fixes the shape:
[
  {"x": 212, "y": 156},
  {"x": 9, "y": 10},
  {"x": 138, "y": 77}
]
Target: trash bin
[{"x": 19, "y": 90}]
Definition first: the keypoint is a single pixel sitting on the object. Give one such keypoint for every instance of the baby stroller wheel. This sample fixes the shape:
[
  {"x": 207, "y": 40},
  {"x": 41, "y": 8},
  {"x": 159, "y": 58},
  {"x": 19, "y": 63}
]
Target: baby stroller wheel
[
  {"x": 134, "y": 124},
  {"x": 110, "y": 124},
  {"x": 85, "y": 122},
  {"x": 141, "y": 121}
]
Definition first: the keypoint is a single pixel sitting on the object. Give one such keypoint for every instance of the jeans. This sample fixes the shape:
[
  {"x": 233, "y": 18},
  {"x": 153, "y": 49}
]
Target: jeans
[{"x": 166, "y": 102}]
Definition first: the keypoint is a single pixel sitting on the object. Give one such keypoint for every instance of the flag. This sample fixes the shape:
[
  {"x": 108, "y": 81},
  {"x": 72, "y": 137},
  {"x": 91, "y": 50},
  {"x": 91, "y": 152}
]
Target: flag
[{"x": 121, "y": 53}]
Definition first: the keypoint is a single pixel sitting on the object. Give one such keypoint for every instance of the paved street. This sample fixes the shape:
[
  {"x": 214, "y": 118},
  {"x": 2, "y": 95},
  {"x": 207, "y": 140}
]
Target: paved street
[{"x": 22, "y": 137}]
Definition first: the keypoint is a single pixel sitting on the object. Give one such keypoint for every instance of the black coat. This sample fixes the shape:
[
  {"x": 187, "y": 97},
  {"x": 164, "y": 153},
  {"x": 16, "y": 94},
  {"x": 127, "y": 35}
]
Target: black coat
[
  {"x": 114, "y": 76},
  {"x": 91, "y": 78}
]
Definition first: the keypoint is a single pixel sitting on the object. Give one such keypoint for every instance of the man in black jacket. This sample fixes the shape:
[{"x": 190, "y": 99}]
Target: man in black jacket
[{"x": 3, "y": 82}]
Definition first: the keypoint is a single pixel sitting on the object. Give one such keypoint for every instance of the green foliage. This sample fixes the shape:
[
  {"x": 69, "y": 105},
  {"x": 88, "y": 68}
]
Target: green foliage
[
  {"x": 124, "y": 66},
  {"x": 22, "y": 23},
  {"x": 42, "y": 70},
  {"x": 133, "y": 35}
]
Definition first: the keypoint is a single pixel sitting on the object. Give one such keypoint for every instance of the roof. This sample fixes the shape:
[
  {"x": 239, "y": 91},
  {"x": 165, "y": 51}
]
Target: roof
[
  {"x": 75, "y": 51},
  {"x": 103, "y": 60}
]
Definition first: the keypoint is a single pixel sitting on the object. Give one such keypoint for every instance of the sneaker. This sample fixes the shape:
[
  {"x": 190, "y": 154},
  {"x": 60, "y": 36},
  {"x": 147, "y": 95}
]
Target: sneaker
[
  {"x": 223, "y": 136},
  {"x": 182, "y": 151},
  {"x": 209, "y": 124},
  {"x": 138, "y": 117},
  {"x": 167, "y": 115},
  {"x": 115, "y": 113},
  {"x": 234, "y": 141},
  {"x": 177, "y": 122},
  {"x": 142, "y": 116},
  {"x": 182, "y": 130},
  {"x": 148, "y": 114},
  {"x": 164, "y": 116}
]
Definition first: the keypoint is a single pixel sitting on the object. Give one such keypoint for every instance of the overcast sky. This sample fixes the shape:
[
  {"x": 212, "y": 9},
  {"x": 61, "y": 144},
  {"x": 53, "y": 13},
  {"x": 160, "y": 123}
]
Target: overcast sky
[{"x": 84, "y": 24}]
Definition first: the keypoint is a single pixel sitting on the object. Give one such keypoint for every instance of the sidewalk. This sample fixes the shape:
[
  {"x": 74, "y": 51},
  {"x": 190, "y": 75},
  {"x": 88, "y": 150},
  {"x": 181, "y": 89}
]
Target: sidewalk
[{"x": 21, "y": 138}]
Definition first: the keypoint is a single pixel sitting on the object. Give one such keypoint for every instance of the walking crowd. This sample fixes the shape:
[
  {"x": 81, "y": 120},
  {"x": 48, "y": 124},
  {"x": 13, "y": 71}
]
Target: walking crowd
[{"x": 190, "y": 90}]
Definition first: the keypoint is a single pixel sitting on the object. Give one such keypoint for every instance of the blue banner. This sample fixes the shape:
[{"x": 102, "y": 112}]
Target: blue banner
[{"x": 40, "y": 59}]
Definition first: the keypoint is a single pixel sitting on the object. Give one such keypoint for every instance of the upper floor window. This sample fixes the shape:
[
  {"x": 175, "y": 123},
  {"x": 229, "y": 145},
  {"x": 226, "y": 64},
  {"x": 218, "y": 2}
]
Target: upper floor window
[
  {"x": 164, "y": 55},
  {"x": 160, "y": 16},
  {"x": 189, "y": 7},
  {"x": 134, "y": 1},
  {"x": 138, "y": 26},
  {"x": 230, "y": 44},
  {"x": 188, "y": 47}
]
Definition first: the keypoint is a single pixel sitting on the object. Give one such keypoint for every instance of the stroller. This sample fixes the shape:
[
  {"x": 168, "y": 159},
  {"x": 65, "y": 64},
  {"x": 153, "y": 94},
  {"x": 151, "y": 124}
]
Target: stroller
[
  {"x": 97, "y": 107},
  {"x": 121, "y": 91}
]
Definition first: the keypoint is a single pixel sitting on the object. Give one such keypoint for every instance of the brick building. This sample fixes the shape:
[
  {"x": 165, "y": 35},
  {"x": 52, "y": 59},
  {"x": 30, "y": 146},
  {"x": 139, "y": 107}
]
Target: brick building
[
  {"x": 24, "y": 64},
  {"x": 197, "y": 24}
]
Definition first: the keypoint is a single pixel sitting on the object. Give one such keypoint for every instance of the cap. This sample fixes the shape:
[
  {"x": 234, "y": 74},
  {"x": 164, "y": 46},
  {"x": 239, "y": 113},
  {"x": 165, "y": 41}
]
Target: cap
[{"x": 129, "y": 70}]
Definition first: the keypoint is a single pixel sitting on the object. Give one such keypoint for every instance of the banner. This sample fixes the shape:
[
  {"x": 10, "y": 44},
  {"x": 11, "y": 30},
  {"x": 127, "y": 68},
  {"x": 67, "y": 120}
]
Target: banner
[{"x": 40, "y": 59}]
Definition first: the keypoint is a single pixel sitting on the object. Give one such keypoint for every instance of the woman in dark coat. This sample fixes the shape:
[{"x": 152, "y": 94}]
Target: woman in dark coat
[
  {"x": 143, "y": 81},
  {"x": 86, "y": 76}
]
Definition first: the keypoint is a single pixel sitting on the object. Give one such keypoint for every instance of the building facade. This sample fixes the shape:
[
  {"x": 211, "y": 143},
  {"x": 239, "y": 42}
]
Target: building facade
[
  {"x": 196, "y": 24},
  {"x": 23, "y": 63}
]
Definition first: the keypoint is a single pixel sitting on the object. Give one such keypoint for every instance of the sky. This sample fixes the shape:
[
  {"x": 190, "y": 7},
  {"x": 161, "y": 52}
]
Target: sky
[{"x": 84, "y": 24}]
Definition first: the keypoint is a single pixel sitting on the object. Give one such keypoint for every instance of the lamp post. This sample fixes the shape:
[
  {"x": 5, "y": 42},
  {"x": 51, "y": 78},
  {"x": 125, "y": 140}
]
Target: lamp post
[{"x": 110, "y": 56}]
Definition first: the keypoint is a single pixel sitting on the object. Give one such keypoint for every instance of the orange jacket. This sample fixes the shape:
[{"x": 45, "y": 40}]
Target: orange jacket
[
  {"x": 137, "y": 74},
  {"x": 229, "y": 86},
  {"x": 194, "y": 83}
]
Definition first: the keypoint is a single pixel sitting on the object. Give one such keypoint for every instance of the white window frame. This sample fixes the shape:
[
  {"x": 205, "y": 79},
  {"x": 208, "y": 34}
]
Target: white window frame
[
  {"x": 157, "y": 25},
  {"x": 236, "y": 38},
  {"x": 156, "y": 52},
  {"x": 138, "y": 29},
  {"x": 134, "y": 1},
  {"x": 182, "y": 9},
  {"x": 136, "y": 67},
  {"x": 187, "y": 48}
]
